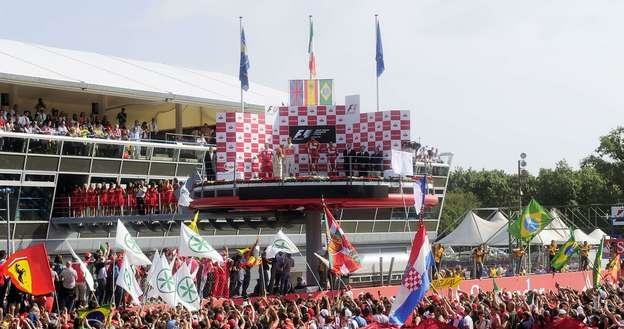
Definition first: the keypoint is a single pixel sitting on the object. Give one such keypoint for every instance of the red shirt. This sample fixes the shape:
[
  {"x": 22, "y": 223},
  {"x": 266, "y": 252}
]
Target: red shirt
[{"x": 80, "y": 277}]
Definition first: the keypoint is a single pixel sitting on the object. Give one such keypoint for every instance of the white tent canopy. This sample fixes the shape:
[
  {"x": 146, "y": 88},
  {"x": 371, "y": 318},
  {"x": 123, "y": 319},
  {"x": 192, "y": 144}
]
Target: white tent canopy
[
  {"x": 598, "y": 234},
  {"x": 581, "y": 236},
  {"x": 471, "y": 231},
  {"x": 499, "y": 219},
  {"x": 62, "y": 69}
]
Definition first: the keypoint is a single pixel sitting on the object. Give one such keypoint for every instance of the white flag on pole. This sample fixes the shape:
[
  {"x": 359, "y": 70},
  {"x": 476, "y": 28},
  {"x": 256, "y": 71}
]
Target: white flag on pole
[
  {"x": 83, "y": 268},
  {"x": 151, "y": 273},
  {"x": 128, "y": 282},
  {"x": 192, "y": 244},
  {"x": 162, "y": 282},
  {"x": 281, "y": 243},
  {"x": 125, "y": 241},
  {"x": 186, "y": 291},
  {"x": 402, "y": 163}
]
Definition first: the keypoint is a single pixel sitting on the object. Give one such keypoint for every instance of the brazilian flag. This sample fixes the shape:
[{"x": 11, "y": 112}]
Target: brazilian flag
[
  {"x": 532, "y": 221},
  {"x": 598, "y": 264},
  {"x": 99, "y": 315},
  {"x": 564, "y": 254}
]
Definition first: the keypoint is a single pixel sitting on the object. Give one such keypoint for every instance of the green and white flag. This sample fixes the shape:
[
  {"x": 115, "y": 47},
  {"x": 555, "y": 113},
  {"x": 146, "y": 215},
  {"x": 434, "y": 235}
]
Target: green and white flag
[
  {"x": 151, "y": 272},
  {"x": 162, "y": 282},
  {"x": 128, "y": 282},
  {"x": 281, "y": 243},
  {"x": 193, "y": 245},
  {"x": 185, "y": 289},
  {"x": 131, "y": 249}
]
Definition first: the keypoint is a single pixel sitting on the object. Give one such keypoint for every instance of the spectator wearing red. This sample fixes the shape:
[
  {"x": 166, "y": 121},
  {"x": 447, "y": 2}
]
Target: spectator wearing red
[
  {"x": 119, "y": 199},
  {"x": 92, "y": 200},
  {"x": 151, "y": 199},
  {"x": 169, "y": 197},
  {"x": 112, "y": 200}
]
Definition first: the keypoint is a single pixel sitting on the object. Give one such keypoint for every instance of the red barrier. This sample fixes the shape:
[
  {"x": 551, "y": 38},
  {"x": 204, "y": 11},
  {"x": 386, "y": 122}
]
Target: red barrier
[{"x": 540, "y": 282}]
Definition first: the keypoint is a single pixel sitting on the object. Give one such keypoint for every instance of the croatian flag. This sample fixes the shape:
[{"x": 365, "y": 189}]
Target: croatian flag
[
  {"x": 420, "y": 190},
  {"x": 416, "y": 279}
]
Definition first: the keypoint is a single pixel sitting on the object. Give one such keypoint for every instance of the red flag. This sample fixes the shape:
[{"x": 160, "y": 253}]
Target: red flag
[
  {"x": 29, "y": 270},
  {"x": 343, "y": 258}
]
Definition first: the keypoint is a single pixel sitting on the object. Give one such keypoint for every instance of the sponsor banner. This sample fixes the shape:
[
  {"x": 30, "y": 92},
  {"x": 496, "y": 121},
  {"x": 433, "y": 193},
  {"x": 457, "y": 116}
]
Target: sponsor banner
[
  {"x": 617, "y": 215},
  {"x": 302, "y": 134},
  {"x": 452, "y": 282}
]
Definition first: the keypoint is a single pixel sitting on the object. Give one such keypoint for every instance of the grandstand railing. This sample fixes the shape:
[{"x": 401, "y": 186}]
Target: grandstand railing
[{"x": 98, "y": 147}]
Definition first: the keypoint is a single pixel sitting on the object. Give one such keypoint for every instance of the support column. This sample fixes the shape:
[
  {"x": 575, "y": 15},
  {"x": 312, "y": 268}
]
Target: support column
[
  {"x": 178, "y": 118},
  {"x": 14, "y": 95},
  {"x": 313, "y": 244}
]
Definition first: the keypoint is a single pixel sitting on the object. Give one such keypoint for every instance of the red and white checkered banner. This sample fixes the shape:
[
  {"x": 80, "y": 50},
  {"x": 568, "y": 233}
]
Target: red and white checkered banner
[
  {"x": 241, "y": 135},
  {"x": 239, "y": 140}
]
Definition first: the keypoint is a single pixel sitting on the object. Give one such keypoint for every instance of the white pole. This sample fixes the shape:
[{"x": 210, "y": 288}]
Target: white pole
[
  {"x": 376, "y": 75},
  {"x": 240, "y": 32}
]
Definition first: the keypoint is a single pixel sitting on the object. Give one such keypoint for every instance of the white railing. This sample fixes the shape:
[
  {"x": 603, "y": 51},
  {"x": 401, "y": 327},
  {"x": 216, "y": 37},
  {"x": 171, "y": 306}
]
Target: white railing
[{"x": 94, "y": 140}]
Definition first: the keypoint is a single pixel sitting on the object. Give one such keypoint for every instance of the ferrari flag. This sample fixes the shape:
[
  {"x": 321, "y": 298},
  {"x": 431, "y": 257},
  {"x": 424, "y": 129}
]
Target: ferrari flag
[
  {"x": 29, "y": 270},
  {"x": 343, "y": 258}
]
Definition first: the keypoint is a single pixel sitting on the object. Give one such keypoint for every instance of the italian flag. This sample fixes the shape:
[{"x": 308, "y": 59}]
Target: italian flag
[{"x": 311, "y": 57}]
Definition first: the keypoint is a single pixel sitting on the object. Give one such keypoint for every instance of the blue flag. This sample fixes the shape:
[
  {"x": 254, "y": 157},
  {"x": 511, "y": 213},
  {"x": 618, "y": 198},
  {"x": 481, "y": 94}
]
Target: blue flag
[
  {"x": 244, "y": 63},
  {"x": 379, "y": 53}
]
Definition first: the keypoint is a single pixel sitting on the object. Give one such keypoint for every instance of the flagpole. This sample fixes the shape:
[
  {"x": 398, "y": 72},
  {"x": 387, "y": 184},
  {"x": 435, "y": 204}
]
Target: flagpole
[
  {"x": 309, "y": 48},
  {"x": 376, "y": 75},
  {"x": 242, "y": 104}
]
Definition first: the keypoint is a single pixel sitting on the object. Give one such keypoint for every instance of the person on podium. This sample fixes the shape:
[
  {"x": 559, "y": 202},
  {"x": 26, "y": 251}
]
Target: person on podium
[
  {"x": 288, "y": 152},
  {"x": 584, "y": 256}
]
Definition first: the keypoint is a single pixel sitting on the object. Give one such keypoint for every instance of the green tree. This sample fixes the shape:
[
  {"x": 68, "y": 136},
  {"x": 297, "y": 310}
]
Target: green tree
[
  {"x": 455, "y": 205},
  {"x": 559, "y": 186},
  {"x": 608, "y": 162},
  {"x": 493, "y": 188}
]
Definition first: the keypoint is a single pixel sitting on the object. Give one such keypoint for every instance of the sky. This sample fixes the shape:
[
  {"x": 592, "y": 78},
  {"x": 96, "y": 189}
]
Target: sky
[{"x": 483, "y": 79}]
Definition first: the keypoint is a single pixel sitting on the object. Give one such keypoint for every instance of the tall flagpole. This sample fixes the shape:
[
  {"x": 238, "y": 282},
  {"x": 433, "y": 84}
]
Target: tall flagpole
[
  {"x": 376, "y": 72},
  {"x": 376, "y": 65},
  {"x": 240, "y": 32}
]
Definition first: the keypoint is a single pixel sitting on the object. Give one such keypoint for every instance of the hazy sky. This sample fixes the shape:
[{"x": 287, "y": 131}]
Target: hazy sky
[{"x": 484, "y": 79}]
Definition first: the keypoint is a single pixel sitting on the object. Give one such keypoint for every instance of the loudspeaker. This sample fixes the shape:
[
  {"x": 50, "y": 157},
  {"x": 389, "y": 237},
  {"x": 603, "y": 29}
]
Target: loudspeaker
[
  {"x": 4, "y": 99},
  {"x": 95, "y": 108}
]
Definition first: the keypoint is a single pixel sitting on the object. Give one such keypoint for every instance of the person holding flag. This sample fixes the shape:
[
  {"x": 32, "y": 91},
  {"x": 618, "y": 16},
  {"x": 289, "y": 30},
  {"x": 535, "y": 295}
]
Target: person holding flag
[
  {"x": 562, "y": 258},
  {"x": 531, "y": 222},
  {"x": 29, "y": 271},
  {"x": 416, "y": 280},
  {"x": 342, "y": 256},
  {"x": 131, "y": 248}
]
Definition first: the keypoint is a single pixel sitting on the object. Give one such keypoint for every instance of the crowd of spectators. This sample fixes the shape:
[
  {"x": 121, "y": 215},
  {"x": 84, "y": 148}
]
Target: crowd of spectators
[
  {"x": 56, "y": 122},
  {"x": 228, "y": 279},
  {"x": 601, "y": 307},
  {"x": 112, "y": 199}
]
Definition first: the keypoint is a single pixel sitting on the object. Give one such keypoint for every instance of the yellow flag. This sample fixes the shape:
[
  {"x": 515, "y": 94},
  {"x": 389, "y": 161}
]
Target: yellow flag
[
  {"x": 193, "y": 224},
  {"x": 311, "y": 92}
]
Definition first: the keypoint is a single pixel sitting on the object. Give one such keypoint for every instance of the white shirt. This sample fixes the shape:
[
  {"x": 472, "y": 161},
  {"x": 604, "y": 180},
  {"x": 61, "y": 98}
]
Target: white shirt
[
  {"x": 23, "y": 120},
  {"x": 141, "y": 192},
  {"x": 62, "y": 130},
  {"x": 467, "y": 321}
]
